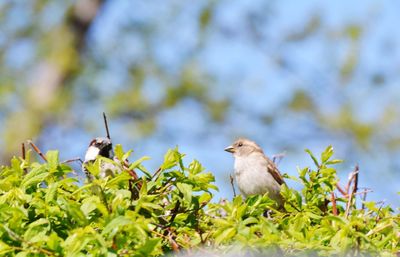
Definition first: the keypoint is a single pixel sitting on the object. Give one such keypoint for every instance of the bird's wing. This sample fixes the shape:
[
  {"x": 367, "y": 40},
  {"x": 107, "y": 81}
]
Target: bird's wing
[{"x": 274, "y": 171}]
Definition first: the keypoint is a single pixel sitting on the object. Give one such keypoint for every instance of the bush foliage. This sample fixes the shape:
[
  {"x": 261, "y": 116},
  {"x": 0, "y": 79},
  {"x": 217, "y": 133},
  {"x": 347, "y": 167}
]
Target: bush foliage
[{"x": 46, "y": 210}]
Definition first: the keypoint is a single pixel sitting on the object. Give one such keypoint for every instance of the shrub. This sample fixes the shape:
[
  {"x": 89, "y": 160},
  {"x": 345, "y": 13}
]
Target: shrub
[{"x": 45, "y": 210}]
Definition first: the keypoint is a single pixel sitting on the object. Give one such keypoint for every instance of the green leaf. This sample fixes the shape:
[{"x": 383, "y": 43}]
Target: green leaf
[
  {"x": 186, "y": 190},
  {"x": 53, "y": 241},
  {"x": 250, "y": 220},
  {"x": 112, "y": 228},
  {"x": 312, "y": 157},
  {"x": 16, "y": 166},
  {"x": 51, "y": 192},
  {"x": 118, "y": 152},
  {"x": 52, "y": 160},
  {"x": 89, "y": 204},
  {"x": 149, "y": 246},
  {"x": 171, "y": 159},
  {"x": 336, "y": 161},
  {"x": 195, "y": 167},
  {"x": 225, "y": 236},
  {"x": 126, "y": 155},
  {"x": 5, "y": 248},
  {"x": 238, "y": 200},
  {"x": 327, "y": 154},
  {"x": 35, "y": 176},
  {"x": 123, "y": 176},
  {"x": 74, "y": 211},
  {"x": 138, "y": 162}
]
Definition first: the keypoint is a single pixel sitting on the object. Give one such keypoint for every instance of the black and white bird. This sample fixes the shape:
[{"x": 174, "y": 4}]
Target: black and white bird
[{"x": 101, "y": 146}]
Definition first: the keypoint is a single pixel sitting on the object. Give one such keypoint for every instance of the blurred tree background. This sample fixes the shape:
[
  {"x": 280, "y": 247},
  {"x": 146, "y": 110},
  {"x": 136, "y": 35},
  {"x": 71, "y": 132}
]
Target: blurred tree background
[{"x": 290, "y": 75}]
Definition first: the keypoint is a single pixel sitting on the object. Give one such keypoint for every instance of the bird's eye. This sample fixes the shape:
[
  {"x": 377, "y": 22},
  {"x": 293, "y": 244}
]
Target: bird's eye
[{"x": 240, "y": 144}]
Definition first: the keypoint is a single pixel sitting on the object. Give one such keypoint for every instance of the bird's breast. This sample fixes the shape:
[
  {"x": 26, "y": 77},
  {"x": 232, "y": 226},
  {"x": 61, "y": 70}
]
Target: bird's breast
[
  {"x": 91, "y": 153},
  {"x": 252, "y": 176}
]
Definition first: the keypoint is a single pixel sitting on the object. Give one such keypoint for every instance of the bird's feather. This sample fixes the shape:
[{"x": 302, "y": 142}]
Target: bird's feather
[{"x": 273, "y": 170}]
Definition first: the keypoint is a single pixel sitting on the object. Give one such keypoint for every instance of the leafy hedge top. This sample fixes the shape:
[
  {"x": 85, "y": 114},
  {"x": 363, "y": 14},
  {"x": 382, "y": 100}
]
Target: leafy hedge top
[{"x": 46, "y": 211}]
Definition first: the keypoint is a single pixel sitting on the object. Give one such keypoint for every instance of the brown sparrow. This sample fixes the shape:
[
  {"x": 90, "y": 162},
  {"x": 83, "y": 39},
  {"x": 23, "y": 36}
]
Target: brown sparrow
[{"x": 255, "y": 173}]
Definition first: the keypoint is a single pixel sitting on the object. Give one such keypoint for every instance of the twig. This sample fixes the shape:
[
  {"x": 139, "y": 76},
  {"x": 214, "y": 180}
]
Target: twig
[
  {"x": 351, "y": 178},
  {"x": 356, "y": 172},
  {"x": 345, "y": 191},
  {"x": 24, "y": 156},
  {"x": 364, "y": 197},
  {"x": 233, "y": 186},
  {"x": 23, "y": 151},
  {"x": 106, "y": 125},
  {"x": 167, "y": 229},
  {"x": 174, "y": 244},
  {"x": 77, "y": 159},
  {"x": 294, "y": 206},
  {"x": 132, "y": 172},
  {"x": 37, "y": 150},
  {"x": 354, "y": 175},
  {"x": 378, "y": 212},
  {"x": 341, "y": 190},
  {"x": 134, "y": 188},
  {"x": 276, "y": 158},
  {"x": 334, "y": 208},
  {"x": 155, "y": 175},
  {"x": 174, "y": 212},
  {"x": 364, "y": 192}
]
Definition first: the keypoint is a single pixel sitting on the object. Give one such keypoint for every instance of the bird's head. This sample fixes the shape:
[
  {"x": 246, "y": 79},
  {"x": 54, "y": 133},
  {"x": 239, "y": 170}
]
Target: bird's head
[
  {"x": 243, "y": 147},
  {"x": 99, "y": 146}
]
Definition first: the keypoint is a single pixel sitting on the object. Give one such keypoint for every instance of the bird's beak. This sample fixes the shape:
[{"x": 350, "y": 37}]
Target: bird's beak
[{"x": 230, "y": 149}]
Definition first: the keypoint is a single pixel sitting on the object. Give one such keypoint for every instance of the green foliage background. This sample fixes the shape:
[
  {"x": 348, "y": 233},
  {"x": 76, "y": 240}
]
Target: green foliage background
[{"x": 46, "y": 211}]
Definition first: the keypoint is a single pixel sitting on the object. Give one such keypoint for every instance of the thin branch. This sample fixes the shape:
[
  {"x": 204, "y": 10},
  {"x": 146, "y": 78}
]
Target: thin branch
[
  {"x": 354, "y": 175},
  {"x": 364, "y": 192},
  {"x": 364, "y": 197},
  {"x": 77, "y": 159},
  {"x": 37, "y": 150},
  {"x": 341, "y": 190},
  {"x": 174, "y": 212},
  {"x": 155, "y": 175},
  {"x": 276, "y": 158},
  {"x": 134, "y": 184},
  {"x": 132, "y": 172},
  {"x": 23, "y": 151},
  {"x": 24, "y": 156},
  {"x": 334, "y": 208},
  {"x": 106, "y": 125},
  {"x": 174, "y": 244},
  {"x": 351, "y": 178},
  {"x": 233, "y": 186},
  {"x": 378, "y": 212},
  {"x": 356, "y": 172},
  {"x": 294, "y": 206}
]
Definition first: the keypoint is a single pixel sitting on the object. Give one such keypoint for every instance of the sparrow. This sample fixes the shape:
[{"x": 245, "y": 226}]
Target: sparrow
[
  {"x": 255, "y": 173},
  {"x": 100, "y": 146}
]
